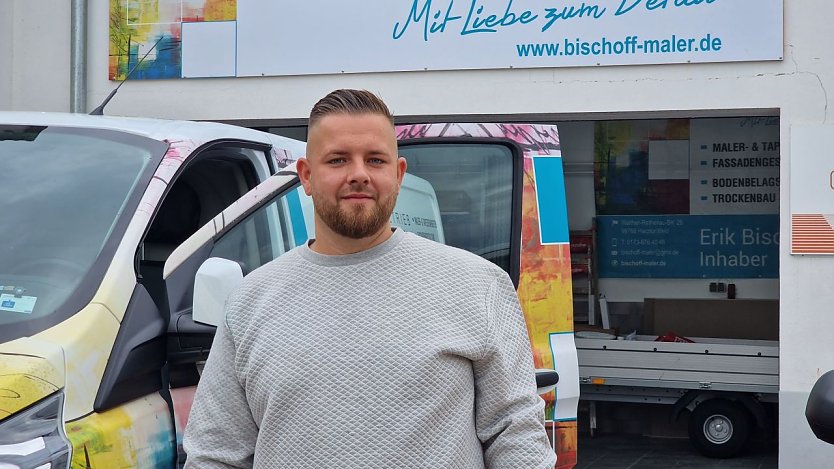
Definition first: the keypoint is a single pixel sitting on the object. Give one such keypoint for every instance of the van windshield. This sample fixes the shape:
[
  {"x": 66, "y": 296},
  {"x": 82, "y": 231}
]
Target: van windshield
[{"x": 63, "y": 194}]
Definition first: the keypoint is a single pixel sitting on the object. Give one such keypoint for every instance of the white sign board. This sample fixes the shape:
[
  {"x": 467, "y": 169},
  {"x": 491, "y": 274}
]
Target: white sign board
[
  {"x": 318, "y": 36},
  {"x": 812, "y": 190}
]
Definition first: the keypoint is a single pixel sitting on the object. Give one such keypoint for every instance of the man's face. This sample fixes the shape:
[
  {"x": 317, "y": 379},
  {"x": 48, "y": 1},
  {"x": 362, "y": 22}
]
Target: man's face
[{"x": 353, "y": 173}]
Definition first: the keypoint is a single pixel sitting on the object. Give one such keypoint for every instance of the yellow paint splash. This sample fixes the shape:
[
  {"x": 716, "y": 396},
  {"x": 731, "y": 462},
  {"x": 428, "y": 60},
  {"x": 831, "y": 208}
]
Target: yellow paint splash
[{"x": 220, "y": 10}]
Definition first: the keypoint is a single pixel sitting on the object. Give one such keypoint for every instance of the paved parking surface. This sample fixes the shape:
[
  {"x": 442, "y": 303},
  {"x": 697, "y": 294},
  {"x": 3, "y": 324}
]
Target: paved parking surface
[{"x": 626, "y": 452}]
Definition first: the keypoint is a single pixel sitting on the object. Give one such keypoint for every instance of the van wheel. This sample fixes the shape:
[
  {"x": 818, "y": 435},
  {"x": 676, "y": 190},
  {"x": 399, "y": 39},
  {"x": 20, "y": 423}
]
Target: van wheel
[{"x": 719, "y": 428}]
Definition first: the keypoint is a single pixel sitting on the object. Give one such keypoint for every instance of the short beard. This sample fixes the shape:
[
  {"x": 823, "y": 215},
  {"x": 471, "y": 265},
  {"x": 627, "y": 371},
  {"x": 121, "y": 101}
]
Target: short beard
[{"x": 361, "y": 223}]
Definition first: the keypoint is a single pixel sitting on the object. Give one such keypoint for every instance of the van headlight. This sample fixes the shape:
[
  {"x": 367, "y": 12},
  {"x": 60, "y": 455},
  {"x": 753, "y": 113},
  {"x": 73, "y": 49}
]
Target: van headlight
[{"x": 34, "y": 438}]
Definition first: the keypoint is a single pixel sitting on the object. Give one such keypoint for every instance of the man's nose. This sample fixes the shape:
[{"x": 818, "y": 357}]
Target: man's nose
[{"x": 358, "y": 173}]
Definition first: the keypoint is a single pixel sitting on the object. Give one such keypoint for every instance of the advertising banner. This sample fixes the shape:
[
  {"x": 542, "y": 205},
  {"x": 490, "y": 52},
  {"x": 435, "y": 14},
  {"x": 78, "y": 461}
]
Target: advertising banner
[{"x": 203, "y": 38}]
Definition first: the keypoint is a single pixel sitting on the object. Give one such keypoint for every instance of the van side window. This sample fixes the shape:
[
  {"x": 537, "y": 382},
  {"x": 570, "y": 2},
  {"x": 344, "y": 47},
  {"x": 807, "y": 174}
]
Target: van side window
[
  {"x": 265, "y": 234},
  {"x": 207, "y": 185},
  {"x": 474, "y": 187}
]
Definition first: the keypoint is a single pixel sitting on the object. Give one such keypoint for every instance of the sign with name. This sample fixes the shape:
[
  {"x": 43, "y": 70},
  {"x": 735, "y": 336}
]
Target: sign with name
[
  {"x": 689, "y": 246},
  {"x": 274, "y": 37}
]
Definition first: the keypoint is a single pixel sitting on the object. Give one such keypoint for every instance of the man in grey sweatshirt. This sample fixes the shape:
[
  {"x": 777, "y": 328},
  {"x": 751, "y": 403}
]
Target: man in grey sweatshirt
[{"x": 368, "y": 347}]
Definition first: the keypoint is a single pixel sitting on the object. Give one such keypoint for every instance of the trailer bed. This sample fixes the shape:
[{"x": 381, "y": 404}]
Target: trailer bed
[{"x": 622, "y": 370}]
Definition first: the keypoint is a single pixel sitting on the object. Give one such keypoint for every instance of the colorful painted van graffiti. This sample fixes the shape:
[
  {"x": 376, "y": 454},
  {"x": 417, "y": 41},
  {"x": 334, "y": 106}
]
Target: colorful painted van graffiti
[
  {"x": 107, "y": 220},
  {"x": 92, "y": 207}
]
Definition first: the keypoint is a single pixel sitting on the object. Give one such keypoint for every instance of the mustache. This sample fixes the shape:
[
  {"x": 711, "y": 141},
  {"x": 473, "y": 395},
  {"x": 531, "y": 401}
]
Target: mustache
[{"x": 359, "y": 189}]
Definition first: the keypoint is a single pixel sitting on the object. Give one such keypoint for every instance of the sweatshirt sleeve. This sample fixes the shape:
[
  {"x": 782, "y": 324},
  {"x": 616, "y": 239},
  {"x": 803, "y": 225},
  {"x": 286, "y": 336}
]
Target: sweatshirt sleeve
[
  {"x": 221, "y": 432},
  {"x": 509, "y": 414}
]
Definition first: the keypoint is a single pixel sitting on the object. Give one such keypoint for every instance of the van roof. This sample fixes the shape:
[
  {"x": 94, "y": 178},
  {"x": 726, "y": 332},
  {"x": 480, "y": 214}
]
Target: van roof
[{"x": 156, "y": 129}]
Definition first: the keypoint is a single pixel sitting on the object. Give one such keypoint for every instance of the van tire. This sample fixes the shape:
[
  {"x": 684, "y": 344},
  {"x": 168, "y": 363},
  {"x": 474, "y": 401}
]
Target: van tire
[{"x": 719, "y": 428}]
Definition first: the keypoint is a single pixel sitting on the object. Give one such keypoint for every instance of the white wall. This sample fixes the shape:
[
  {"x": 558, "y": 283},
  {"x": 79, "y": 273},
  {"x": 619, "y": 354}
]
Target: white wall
[
  {"x": 6, "y": 14},
  {"x": 799, "y": 87},
  {"x": 36, "y": 49}
]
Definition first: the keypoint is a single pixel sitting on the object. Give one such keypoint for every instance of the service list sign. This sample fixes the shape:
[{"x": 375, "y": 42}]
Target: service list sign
[{"x": 734, "y": 166}]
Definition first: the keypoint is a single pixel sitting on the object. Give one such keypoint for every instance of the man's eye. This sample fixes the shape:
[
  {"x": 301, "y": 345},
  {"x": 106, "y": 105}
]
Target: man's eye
[
  {"x": 376, "y": 161},
  {"x": 336, "y": 161}
]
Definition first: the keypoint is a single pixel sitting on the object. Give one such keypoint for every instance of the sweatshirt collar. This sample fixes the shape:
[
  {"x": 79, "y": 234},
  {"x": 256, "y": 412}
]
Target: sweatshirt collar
[{"x": 350, "y": 259}]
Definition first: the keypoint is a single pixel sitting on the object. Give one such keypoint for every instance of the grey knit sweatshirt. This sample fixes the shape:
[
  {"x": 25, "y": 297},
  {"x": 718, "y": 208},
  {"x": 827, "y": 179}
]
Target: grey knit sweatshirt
[{"x": 409, "y": 354}]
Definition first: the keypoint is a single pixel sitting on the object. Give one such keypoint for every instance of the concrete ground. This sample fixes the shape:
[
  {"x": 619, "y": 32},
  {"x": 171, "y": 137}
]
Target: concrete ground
[{"x": 626, "y": 452}]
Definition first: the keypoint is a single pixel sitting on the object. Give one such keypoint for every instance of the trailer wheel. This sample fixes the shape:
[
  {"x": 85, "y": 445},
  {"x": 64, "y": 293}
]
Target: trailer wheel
[{"x": 719, "y": 428}]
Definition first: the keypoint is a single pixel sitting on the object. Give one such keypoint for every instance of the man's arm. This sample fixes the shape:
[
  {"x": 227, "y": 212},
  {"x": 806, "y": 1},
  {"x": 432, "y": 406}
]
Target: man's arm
[
  {"x": 509, "y": 414},
  {"x": 220, "y": 432}
]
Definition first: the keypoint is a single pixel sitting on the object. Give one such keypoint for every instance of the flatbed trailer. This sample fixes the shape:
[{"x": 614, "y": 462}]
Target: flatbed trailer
[{"x": 722, "y": 382}]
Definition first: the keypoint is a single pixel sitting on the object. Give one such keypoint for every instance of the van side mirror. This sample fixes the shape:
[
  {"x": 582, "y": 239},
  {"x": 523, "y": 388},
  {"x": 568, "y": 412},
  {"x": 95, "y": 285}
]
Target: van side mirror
[
  {"x": 819, "y": 411},
  {"x": 216, "y": 279}
]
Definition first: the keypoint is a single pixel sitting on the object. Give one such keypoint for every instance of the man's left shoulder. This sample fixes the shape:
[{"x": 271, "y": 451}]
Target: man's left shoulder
[{"x": 449, "y": 256}]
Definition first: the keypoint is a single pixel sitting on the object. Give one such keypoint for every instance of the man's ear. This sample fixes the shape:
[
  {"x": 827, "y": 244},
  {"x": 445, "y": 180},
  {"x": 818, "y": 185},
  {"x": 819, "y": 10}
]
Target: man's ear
[
  {"x": 402, "y": 165},
  {"x": 302, "y": 167}
]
